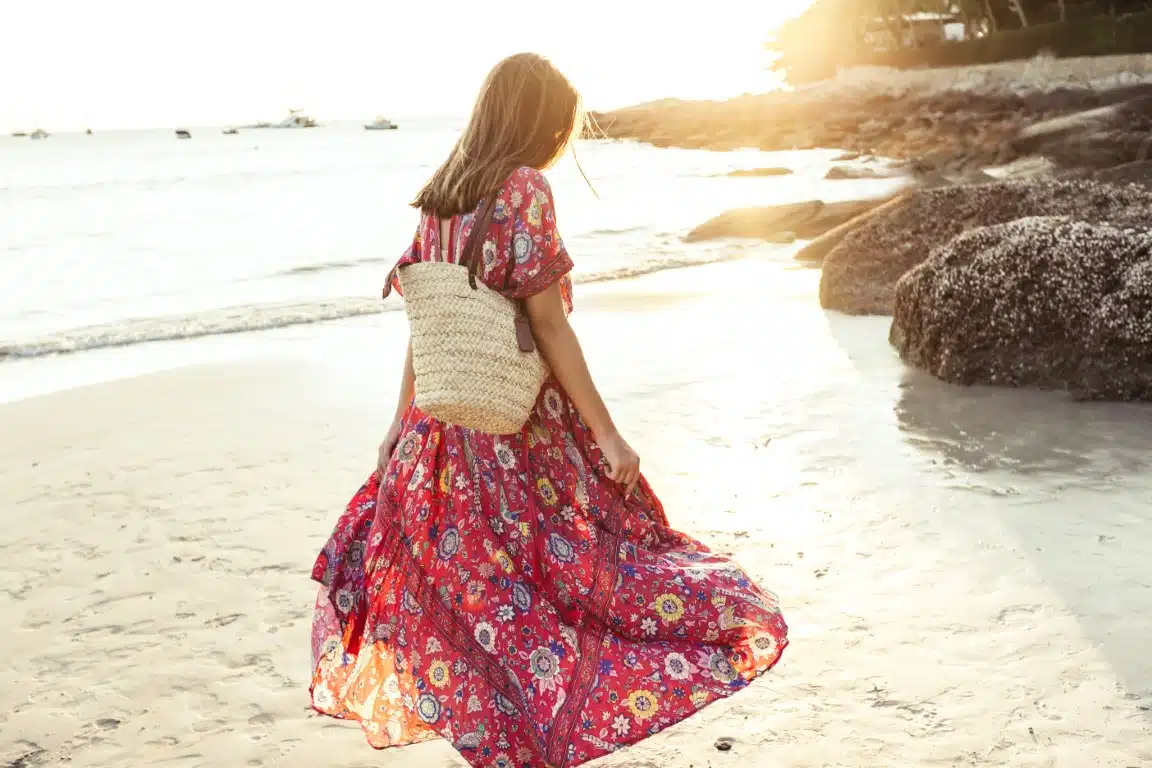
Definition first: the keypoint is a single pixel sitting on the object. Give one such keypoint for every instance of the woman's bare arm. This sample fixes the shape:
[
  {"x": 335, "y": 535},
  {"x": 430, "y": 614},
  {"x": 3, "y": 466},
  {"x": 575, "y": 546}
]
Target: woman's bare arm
[
  {"x": 407, "y": 389},
  {"x": 407, "y": 385},
  {"x": 561, "y": 349}
]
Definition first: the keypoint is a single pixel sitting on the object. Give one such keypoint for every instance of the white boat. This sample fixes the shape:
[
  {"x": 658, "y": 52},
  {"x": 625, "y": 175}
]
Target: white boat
[
  {"x": 39, "y": 133},
  {"x": 381, "y": 124},
  {"x": 295, "y": 120}
]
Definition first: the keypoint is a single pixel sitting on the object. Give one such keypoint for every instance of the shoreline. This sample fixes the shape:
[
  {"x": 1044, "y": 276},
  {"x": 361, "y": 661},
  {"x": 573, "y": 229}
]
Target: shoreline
[{"x": 963, "y": 569}]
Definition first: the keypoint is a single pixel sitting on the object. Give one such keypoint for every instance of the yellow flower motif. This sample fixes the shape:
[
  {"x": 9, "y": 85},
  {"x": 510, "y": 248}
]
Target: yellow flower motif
[
  {"x": 503, "y": 560},
  {"x": 438, "y": 674},
  {"x": 446, "y": 479},
  {"x": 525, "y": 529},
  {"x": 699, "y": 697},
  {"x": 670, "y": 608},
  {"x": 534, "y": 216},
  {"x": 643, "y": 705},
  {"x": 547, "y": 492}
]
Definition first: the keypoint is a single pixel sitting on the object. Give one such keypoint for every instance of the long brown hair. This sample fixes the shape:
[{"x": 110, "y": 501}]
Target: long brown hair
[{"x": 527, "y": 114}]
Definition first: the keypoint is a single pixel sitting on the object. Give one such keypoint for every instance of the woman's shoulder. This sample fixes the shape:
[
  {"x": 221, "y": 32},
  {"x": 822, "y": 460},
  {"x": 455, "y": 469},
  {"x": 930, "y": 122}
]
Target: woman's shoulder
[{"x": 528, "y": 181}]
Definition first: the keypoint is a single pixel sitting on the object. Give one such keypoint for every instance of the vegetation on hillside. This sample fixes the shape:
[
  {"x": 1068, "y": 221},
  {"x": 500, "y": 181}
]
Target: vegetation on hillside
[{"x": 833, "y": 34}]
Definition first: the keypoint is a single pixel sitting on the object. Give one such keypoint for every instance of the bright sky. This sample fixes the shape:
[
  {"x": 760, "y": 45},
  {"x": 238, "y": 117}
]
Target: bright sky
[{"x": 70, "y": 64}]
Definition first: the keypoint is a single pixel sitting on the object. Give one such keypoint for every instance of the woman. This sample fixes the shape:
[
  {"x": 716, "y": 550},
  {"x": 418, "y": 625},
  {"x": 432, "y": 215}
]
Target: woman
[{"x": 522, "y": 595}]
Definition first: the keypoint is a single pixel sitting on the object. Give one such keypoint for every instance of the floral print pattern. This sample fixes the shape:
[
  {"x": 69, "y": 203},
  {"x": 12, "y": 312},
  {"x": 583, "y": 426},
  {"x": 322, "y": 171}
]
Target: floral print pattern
[{"x": 500, "y": 592}]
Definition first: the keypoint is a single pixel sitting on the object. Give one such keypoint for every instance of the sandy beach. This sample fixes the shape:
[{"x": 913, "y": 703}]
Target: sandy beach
[{"x": 964, "y": 571}]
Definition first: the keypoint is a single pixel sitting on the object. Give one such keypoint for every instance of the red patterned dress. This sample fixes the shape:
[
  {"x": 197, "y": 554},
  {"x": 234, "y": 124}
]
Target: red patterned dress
[{"x": 500, "y": 592}]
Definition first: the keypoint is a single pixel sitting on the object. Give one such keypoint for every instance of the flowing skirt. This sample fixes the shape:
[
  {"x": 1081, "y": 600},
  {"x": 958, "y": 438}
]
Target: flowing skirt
[{"x": 500, "y": 592}]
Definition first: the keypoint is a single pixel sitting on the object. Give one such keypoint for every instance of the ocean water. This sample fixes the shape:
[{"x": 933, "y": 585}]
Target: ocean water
[{"x": 124, "y": 238}]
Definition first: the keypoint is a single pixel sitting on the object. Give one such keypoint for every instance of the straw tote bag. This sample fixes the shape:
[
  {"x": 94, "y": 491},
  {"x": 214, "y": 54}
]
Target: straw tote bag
[{"x": 475, "y": 360}]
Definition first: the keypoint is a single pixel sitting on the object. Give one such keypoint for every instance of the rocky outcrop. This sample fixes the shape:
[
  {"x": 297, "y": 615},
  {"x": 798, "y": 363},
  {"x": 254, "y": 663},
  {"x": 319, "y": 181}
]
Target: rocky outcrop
[
  {"x": 949, "y": 128},
  {"x": 799, "y": 220},
  {"x": 1043, "y": 302},
  {"x": 860, "y": 274}
]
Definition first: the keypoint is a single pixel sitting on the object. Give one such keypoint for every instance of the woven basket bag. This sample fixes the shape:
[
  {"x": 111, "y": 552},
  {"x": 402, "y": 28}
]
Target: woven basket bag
[{"x": 475, "y": 360}]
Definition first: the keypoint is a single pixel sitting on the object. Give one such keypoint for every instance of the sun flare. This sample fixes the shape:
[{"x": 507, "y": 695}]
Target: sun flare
[{"x": 225, "y": 61}]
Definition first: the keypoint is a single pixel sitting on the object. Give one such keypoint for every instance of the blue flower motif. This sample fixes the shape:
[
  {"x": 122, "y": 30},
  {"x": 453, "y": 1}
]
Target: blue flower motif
[
  {"x": 561, "y": 548},
  {"x": 522, "y": 597},
  {"x": 506, "y": 706},
  {"x": 449, "y": 544},
  {"x": 428, "y": 707}
]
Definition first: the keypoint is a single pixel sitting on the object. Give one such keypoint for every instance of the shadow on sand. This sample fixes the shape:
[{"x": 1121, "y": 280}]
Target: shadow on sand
[{"x": 1079, "y": 491}]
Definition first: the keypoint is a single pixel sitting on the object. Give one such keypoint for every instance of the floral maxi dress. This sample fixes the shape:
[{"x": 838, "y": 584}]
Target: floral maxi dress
[{"x": 501, "y": 593}]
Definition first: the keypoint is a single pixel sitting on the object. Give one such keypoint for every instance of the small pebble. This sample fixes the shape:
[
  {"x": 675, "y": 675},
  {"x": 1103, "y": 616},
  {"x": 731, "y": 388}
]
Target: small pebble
[{"x": 724, "y": 744}]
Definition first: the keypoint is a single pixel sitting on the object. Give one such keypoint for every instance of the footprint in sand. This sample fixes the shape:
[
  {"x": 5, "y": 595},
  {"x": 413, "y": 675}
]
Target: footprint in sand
[
  {"x": 209, "y": 726},
  {"x": 262, "y": 719},
  {"x": 223, "y": 621}
]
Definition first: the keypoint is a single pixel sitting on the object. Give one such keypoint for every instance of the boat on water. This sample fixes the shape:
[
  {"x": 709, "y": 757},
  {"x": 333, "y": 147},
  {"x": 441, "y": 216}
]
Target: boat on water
[
  {"x": 183, "y": 134},
  {"x": 295, "y": 119},
  {"x": 381, "y": 124},
  {"x": 39, "y": 133},
  {"x": 19, "y": 135},
  {"x": 230, "y": 131}
]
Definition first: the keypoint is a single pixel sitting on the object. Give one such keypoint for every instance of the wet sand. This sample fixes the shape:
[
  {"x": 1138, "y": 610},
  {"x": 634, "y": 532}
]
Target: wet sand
[{"x": 964, "y": 571}]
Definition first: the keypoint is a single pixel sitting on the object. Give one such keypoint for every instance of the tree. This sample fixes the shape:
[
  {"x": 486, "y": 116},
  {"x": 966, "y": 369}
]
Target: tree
[{"x": 1017, "y": 7}]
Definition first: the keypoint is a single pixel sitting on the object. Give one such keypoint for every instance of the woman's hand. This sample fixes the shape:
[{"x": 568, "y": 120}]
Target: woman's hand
[
  {"x": 623, "y": 462},
  {"x": 388, "y": 446}
]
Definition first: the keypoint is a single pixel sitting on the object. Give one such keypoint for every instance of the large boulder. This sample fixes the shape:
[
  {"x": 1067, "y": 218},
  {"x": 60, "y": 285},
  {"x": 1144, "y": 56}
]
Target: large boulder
[
  {"x": 1044, "y": 302},
  {"x": 860, "y": 274}
]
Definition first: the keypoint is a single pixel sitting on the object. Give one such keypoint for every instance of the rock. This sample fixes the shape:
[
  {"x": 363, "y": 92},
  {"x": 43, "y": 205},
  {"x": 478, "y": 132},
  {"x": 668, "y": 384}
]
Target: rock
[
  {"x": 1129, "y": 173},
  {"x": 842, "y": 172},
  {"x": 762, "y": 223},
  {"x": 832, "y": 215},
  {"x": 782, "y": 238},
  {"x": 846, "y": 157},
  {"x": 1131, "y": 114},
  {"x": 1096, "y": 138},
  {"x": 755, "y": 172},
  {"x": 1045, "y": 302},
  {"x": 724, "y": 744},
  {"x": 816, "y": 250},
  {"x": 860, "y": 273},
  {"x": 1028, "y": 167},
  {"x": 799, "y": 220}
]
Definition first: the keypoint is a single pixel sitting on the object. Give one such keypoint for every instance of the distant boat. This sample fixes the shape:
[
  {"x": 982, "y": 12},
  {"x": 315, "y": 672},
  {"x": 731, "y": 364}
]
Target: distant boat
[
  {"x": 294, "y": 120},
  {"x": 88, "y": 132},
  {"x": 381, "y": 124},
  {"x": 183, "y": 134},
  {"x": 230, "y": 131},
  {"x": 19, "y": 134},
  {"x": 39, "y": 133}
]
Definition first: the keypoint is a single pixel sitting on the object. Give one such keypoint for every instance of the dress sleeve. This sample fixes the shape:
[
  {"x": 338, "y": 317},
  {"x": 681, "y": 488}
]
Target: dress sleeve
[
  {"x": 410, "y": 256},
  {"x": 530, "y": 254}
]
